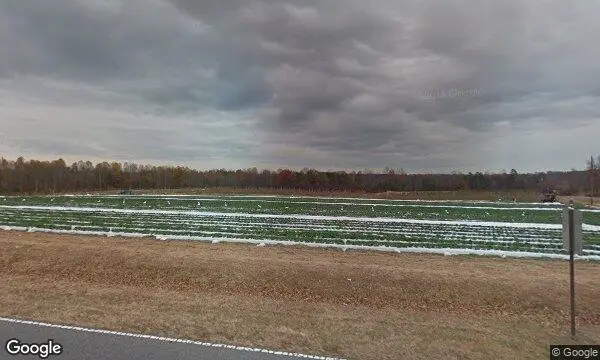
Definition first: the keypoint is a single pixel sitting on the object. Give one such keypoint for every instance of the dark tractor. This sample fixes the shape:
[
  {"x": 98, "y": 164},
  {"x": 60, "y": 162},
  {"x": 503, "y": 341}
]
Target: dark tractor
[{"x": 549, "y": 196}]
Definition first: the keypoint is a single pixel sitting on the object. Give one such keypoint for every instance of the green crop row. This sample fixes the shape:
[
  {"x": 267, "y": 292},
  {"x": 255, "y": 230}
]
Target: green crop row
[{"x": 327, "y": 231}]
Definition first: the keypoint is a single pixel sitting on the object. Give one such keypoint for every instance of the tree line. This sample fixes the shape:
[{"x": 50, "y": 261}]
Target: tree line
[{"x": 22, "y": 176}]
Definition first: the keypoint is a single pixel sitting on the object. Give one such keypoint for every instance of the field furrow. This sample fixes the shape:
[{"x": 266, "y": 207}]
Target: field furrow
[{"x": 486, "y": 228}]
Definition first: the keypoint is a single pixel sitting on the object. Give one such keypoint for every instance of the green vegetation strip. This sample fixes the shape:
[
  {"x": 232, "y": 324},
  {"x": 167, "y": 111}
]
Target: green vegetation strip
[{"x": 327, "y": 231}]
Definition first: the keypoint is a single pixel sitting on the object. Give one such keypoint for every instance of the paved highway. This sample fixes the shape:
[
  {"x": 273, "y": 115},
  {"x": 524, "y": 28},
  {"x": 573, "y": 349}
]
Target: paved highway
[{"x": 83, "y": 344}]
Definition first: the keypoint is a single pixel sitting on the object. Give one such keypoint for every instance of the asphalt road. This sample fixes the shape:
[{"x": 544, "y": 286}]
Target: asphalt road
[{"x": 82, "y": 344}]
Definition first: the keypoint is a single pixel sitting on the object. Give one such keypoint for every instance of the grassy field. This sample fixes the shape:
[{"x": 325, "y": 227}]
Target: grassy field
[
  {"x": 581, "y": 200},
  {"x": 356, "y": 305},
  {"x": 447, "y": 227}
]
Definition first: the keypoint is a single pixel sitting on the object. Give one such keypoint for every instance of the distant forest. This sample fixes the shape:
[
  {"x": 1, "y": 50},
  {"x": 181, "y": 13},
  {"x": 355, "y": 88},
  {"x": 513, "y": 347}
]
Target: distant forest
[{"x": 43, "y": 177}]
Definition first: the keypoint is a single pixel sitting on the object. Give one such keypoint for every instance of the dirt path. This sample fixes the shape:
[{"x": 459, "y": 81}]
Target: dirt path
[
  {"x": 459, "y": 195},
  {"x": 583, "y": 200},
  {"x": 329, "y": 302}
]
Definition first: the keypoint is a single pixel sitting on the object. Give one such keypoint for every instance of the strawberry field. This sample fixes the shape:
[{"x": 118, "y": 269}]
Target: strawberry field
[{"x": 482, "y": 228}]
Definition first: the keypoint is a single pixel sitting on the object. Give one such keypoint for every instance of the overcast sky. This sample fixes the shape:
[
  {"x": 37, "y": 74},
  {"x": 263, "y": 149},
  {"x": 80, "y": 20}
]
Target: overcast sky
[{"x": 424, "y": 85}]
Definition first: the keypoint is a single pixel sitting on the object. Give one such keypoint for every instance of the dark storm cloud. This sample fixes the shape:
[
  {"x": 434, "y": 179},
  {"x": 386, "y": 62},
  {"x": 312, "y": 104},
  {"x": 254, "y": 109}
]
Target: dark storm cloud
[
  {"x": 348, "y": 84},
  {"x": 56, "y": 146}
]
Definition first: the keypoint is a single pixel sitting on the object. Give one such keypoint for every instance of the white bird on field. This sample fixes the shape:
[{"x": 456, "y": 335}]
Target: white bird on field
[
  {"x": 259, "y": 206},
  {"x": 145, "y": 202},
  {"x": 52, "y": 199},
  {"x": 198, "y": 203}
]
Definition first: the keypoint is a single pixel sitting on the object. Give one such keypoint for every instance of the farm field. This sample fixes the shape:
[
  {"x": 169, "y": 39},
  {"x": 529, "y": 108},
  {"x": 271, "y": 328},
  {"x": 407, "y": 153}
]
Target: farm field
[
  {"x": 446, "y": 227},
  {"x": 367, "y": 305}
]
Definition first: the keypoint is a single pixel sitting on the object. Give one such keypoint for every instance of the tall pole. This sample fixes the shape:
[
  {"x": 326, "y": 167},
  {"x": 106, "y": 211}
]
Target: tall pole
[
  {"x": 592, "y": 173},
  {"x": 572, "y": 269}
]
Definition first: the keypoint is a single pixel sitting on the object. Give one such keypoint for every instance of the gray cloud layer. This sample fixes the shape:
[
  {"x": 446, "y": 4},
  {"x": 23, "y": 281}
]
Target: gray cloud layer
[{"x": 434, "y": 85}]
